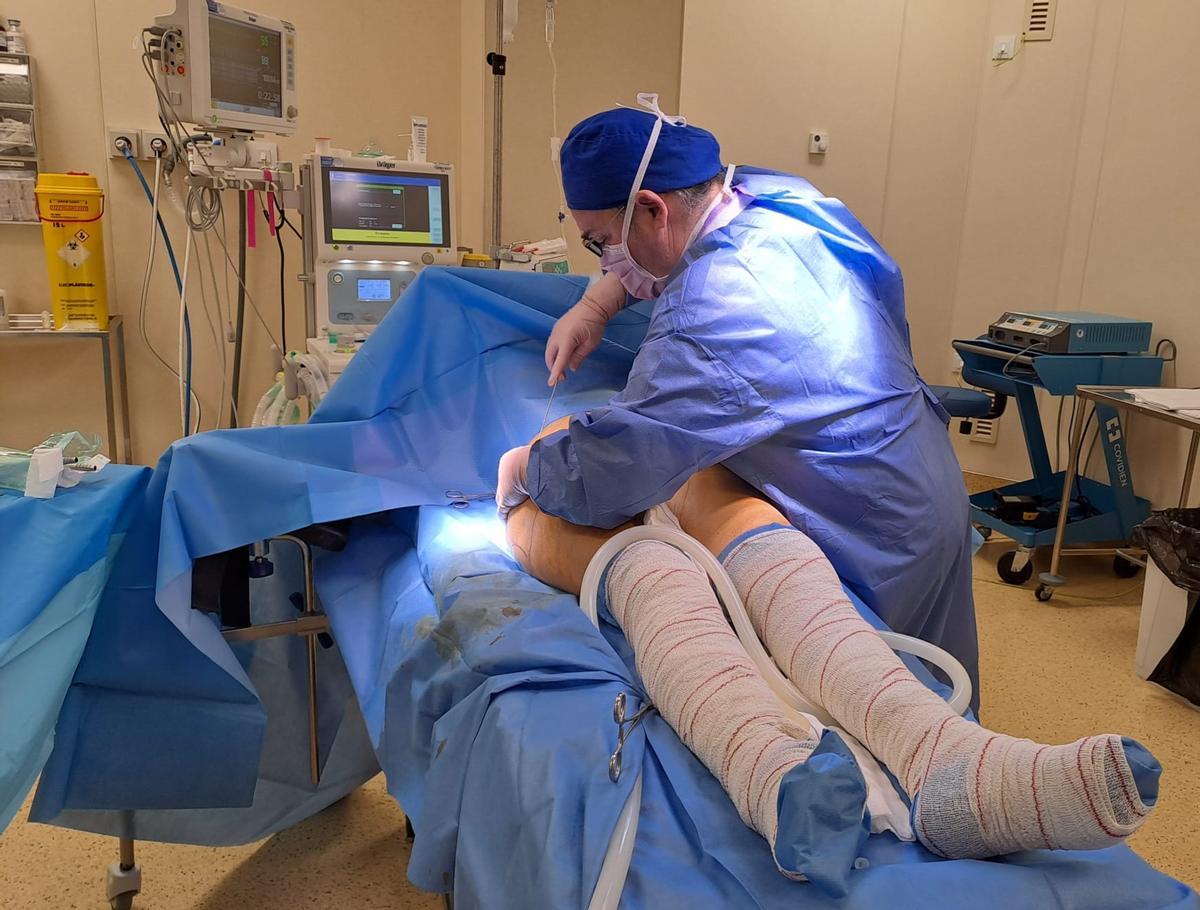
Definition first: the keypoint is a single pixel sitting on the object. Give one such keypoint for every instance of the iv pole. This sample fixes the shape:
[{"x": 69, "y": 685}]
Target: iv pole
[{"x": 497, "y": 61}]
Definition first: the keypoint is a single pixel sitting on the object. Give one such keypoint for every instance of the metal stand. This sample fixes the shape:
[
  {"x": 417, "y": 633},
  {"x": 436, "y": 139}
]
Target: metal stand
[
  {"x": 115, "y": 332},
  {"x": 124, "y": 878},
  {"x": 498, "y": 62},
  {"x": 311, "y": 624},
  {"x": 1108, "y": 401}
]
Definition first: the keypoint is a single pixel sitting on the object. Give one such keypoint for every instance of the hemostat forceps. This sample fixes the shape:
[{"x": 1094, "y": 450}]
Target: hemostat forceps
[
  {"x": 625, "y": 727},
  {"x": 460, "y": 500}
]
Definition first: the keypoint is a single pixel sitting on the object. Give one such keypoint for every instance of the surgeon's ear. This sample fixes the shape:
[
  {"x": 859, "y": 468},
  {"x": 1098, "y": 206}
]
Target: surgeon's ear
[{"x": 653, "y": 205}]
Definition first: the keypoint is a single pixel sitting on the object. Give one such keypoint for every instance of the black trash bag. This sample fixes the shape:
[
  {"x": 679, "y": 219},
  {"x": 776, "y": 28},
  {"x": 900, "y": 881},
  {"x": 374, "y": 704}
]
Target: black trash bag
[
  {"x": 1179, "y": 669},
  {"x": 1172, "y": 538}
]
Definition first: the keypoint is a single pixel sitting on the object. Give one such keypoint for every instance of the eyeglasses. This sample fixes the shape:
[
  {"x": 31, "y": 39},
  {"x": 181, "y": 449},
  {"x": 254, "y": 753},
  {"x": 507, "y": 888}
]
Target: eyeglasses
[{"x": 595, "y": 247}]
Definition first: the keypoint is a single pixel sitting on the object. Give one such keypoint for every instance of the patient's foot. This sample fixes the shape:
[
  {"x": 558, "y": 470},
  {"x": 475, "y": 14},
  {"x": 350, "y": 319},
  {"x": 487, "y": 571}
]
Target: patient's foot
[{"x": 985, "y": 794}]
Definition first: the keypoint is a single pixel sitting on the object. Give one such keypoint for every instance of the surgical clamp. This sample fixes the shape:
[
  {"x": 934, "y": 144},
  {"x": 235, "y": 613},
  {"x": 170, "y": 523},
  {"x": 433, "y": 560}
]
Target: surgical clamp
[
  {"x": 460, "y": 500},
  {"x": 625, "y": 728}
]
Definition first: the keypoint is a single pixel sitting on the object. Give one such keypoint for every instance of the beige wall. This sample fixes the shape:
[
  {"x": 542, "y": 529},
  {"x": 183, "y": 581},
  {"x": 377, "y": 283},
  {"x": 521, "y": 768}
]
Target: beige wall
[
  {"x": 1064, "y": 179},
  {"x": 606, "y": 53},
  {"x": 355, "y": 82}
]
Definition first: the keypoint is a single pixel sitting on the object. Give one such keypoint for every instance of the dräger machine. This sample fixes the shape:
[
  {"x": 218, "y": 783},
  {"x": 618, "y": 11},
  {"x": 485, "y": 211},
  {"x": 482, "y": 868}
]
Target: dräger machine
[{"x": 371, "y": 224}]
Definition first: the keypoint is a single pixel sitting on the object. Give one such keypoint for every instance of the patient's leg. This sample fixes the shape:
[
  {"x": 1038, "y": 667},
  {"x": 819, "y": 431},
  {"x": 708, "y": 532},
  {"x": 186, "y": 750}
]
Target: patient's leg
[
  {"x": 977, "y": 793},
  {"x": 705, "y": 686}
]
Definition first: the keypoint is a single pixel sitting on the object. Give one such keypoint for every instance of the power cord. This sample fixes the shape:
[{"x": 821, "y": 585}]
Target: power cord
[
  {"x": 1025, "y": 350},
  {"x": 1058, "y": 593},
  {"x": 152, "y": 198},
  {"x": 277, "y": 230}
]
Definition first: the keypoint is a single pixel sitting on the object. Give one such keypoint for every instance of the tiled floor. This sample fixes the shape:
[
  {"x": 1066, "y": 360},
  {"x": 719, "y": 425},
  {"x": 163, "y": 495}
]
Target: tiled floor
[{"x": 1051, "y": 672}]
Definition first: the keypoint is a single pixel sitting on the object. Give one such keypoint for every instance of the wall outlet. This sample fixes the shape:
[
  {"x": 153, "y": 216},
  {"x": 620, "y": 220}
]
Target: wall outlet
[
  {"x": 1004, "y": 47},
  {"x": 818, "y": 142},
  {"x": 130, "y": 138},
  {"x": 154, "y": 144}
]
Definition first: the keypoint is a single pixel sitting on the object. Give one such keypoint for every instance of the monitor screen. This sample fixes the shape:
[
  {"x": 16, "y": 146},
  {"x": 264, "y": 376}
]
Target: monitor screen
[
  {"x": 374, "y": 289},
  {"x": 246, "y": 66},
  {"x": 386, "y": 208}
]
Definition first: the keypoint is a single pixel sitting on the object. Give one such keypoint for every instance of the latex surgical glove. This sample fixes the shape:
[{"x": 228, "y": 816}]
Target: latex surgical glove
[
  {"x": 510, "y": 485},
  {"x": 579, "y": 331}
]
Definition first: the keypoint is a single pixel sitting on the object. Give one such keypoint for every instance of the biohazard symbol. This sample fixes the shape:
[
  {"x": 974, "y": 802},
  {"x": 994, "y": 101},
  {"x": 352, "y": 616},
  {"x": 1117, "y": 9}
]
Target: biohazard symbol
[{"x": 73, "y": 253}]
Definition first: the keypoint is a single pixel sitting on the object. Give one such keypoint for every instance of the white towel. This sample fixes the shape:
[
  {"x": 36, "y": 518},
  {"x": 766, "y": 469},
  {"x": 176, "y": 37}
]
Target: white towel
[{"x": 1187, "y": 400}]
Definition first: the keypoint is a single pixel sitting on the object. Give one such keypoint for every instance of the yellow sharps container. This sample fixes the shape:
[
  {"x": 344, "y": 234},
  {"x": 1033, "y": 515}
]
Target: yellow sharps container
[{"x": 71, "y": 207}]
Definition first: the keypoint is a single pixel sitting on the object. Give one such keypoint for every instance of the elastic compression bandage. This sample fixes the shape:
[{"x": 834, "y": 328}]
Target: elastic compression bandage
[
  {"x": 707, "y": 689},
  {"x": 976, "y": 793}
]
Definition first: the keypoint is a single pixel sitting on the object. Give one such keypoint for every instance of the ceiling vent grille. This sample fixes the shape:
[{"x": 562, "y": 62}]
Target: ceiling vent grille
[{"x": 1039, "y": 19}]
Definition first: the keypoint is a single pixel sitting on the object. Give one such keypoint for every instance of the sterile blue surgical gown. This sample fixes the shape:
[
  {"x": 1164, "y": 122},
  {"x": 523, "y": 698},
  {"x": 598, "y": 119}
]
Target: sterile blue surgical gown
[{"x": 780, "y": 348}]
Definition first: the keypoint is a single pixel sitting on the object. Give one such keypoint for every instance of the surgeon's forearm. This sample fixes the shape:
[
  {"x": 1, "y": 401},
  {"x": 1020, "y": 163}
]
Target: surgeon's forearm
[
  {"x": 607, "y": 296},
  {"x": 714, "y": 506},
  {"x": 558, "y": 484}
]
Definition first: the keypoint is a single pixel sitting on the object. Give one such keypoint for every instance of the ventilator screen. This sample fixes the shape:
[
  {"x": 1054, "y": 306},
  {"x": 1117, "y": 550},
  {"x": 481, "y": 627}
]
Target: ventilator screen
[{"x": 386, "y": 208}]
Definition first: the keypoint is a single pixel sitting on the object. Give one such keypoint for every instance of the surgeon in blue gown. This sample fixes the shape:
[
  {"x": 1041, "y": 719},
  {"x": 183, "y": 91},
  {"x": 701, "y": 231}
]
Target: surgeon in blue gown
[{"x": 777, "y": 346}]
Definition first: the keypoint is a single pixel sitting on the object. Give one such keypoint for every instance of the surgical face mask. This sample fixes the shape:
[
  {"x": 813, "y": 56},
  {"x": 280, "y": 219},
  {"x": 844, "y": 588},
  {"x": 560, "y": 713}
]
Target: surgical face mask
[{"x": 637, "y": 280}]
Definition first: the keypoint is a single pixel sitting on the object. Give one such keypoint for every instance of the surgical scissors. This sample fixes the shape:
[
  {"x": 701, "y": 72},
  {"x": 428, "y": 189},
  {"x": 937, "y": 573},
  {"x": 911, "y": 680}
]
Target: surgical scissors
[{"x": 625, "y": 728}]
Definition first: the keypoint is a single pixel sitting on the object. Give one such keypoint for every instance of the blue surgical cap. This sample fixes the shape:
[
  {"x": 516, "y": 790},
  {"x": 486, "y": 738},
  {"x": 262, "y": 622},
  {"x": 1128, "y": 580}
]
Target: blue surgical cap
[{"x": 600, "y": 158}]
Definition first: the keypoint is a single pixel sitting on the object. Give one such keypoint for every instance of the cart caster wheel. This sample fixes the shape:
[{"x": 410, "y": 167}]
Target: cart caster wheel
[
  {"x": 1123, "y": 568},
  {"x": 122, "y": 902},
  {"x": 1004, "y": 568},
  {"x": 1043, "y": 593}
]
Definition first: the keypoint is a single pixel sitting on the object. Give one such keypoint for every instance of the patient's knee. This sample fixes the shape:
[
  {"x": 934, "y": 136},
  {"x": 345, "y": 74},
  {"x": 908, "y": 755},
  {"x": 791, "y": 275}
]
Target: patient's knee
[
  {"x": 551, "y": 549},
  {"x": 716, "y": 507}
]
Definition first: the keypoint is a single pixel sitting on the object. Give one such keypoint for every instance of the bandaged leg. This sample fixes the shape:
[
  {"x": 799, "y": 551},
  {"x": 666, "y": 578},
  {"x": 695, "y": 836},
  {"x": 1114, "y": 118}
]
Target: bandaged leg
[
  {"x": 705, "y": 686},
  {"x": 976, "y": 793}
]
